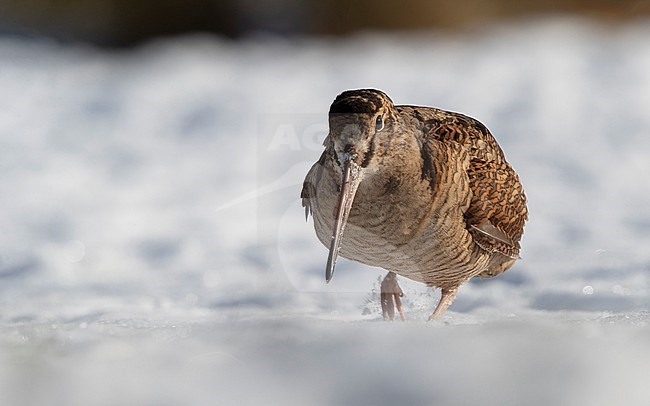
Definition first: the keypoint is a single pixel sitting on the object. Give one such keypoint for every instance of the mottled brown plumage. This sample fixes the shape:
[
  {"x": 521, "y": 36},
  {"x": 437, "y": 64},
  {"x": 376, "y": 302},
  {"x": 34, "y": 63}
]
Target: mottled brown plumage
[{"x": 420, "y": 191}]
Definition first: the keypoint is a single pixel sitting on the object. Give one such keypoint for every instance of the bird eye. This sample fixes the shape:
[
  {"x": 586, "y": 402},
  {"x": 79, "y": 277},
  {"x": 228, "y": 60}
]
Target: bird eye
[{"x": 379, "y": 124}]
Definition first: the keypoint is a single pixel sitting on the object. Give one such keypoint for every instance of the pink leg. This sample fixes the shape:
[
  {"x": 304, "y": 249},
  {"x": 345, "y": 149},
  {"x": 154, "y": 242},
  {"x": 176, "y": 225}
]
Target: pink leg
[
  {"x": 447, "y": 297},
  {"x": 390, "y": 306},
  {"x": 398, "y": 304}
]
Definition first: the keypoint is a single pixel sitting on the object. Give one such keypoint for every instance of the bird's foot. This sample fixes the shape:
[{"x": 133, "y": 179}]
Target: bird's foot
[{"x": 391, "y": 293}]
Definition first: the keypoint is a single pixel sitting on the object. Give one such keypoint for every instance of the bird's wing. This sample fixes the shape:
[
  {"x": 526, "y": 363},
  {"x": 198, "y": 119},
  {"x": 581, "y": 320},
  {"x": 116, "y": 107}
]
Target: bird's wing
[
  {"x": 497, "y": 210},
  {"x": 308, "y": 192}
]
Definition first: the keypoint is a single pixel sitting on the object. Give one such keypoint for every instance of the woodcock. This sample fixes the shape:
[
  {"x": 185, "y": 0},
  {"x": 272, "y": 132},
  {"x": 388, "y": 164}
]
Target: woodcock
[{"x": 419, "y": 191}]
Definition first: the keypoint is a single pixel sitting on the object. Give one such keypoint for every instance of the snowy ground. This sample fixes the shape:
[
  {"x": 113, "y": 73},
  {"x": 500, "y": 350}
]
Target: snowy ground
[{"x": 153, "y": 250}]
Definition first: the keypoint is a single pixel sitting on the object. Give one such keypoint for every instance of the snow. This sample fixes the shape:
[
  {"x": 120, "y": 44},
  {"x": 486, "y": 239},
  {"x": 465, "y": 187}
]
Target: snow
[{"x": 154, "y": 250}]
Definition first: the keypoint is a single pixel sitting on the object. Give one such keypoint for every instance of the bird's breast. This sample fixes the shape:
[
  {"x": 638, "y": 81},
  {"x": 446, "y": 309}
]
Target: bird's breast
[
  {"x": 398, "y": 223},
  {"x": 388, "y": 212}
]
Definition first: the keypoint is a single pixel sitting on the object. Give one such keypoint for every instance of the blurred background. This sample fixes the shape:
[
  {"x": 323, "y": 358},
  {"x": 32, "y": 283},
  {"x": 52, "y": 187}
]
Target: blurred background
[
  {"x": 124, "y": 22},
  {"x": 154, "y": 251}
]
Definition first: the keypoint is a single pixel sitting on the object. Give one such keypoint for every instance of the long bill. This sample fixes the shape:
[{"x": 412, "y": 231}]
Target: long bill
[{"x": 349, "y": 185}]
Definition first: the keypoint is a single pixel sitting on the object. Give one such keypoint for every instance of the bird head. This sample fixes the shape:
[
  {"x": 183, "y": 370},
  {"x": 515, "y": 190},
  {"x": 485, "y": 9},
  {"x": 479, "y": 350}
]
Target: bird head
[{"x": 359, "y": 121}]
